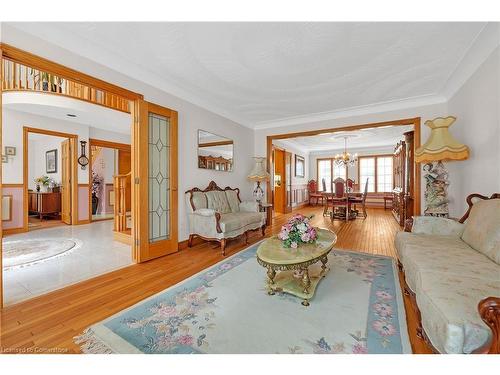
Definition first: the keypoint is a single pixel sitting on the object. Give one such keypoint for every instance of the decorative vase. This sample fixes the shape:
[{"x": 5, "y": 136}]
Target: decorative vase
[{"x": 38, "y": 188}]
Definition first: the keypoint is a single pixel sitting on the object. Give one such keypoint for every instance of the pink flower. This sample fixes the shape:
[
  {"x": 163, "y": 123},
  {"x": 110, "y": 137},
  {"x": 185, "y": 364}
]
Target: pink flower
[
  {"x": 383, "y": 309},
  {"x": 186, "y": 340},
  {"x": 383, "y": 295},
  {"x": 293, "y": 245},
  {"x": 167, "y": 311},
  {"x": 384, "y": 328},
  {"x": 359, "y": 349},
  {"x": 305, "y": 237}
]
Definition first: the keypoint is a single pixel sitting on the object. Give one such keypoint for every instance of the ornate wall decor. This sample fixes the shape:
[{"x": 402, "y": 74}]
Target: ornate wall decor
[
  {"x": 83, "y": 160},
  {"x": 436, "y": 189}
]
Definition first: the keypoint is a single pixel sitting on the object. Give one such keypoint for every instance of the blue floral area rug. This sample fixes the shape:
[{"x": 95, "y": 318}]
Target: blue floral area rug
[{"x": 357, "y": 308}]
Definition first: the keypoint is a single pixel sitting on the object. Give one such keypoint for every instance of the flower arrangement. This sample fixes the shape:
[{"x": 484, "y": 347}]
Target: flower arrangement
[
  {"x": 42, "y": 180},
  {"x": 297, "y": 230}
]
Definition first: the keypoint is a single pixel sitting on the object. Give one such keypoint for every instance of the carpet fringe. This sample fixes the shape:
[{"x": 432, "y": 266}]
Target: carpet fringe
[{"x": 90, "y": 344}]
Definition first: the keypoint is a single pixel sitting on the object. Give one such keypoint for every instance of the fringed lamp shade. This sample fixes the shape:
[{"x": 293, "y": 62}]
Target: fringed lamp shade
[
  {"x": 258, "y": 174},
  {"x": 441, "y": 145}
]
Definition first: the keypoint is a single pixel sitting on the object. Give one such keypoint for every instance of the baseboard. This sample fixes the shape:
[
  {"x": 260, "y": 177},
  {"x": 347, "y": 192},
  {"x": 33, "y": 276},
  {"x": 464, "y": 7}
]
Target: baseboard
[
  {"x": 184, "y": 244},
  {"x": 9, "y": 231},
  {"x": 81, "y": 222}
]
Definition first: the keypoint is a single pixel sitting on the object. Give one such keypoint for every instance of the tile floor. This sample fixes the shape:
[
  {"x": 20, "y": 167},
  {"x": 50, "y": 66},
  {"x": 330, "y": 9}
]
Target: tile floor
[{"x": 98, "y": 254}]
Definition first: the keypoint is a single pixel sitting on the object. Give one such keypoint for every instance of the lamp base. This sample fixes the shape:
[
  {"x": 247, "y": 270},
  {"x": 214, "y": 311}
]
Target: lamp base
[{"x": 258, "y": 193}]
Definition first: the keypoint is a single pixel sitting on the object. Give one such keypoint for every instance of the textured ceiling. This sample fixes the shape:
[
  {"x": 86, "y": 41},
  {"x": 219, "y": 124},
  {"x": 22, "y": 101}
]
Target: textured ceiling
[
  {"x": 374, "y": 138},
  {"x": 264, "y": 72}
]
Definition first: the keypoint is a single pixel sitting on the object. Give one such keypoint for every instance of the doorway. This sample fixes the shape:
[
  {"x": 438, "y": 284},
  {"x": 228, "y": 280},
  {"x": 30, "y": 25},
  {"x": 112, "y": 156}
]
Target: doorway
[
  {"x": 49, "y": 178},
  {"x": 108, "y": 160},
  {"x": 282, "y": 174}
]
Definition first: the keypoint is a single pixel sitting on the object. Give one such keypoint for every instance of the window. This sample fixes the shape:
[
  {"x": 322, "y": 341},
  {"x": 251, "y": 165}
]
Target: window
[
  {"x": 384, "y": 174},
  {"x": 338, "y": 171},
  {"x": 367, "y": 171},
  {"x": 378, "y": 171},
  {"x": 324, "y": 172}
]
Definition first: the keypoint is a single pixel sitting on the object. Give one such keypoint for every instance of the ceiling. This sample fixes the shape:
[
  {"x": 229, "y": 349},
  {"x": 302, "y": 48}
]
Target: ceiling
[
  {"x": 58, "y": 107},
  {"x": 260, "y": 73},
  {"x": 363, "y": 139}
]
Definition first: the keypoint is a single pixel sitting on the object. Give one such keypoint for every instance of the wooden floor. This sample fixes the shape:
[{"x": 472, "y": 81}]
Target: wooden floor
[{"x": 48, "y": 323}]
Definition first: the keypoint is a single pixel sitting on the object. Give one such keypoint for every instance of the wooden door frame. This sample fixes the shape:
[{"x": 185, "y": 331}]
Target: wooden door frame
[
  {"x": 104, "y": 144},
  {"x": 415, "y": 121},
  {"x": 73, "y": 171}
]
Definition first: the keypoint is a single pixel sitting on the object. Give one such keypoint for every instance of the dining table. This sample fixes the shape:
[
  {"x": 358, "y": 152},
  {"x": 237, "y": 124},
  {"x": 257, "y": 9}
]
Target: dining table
[{"x": 349, "y": 214}]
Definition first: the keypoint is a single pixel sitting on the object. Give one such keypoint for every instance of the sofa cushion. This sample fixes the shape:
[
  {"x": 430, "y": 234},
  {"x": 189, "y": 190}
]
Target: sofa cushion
[
  {"x": 451, "y": 257},
  {"x": 233, "y": 221},
  {"x": 482, "y": 228},
  {"x": 436, "y": 226},
  {"x": 199, "y": 200},
  {"x": 404, "y": 240},
  {"x": 448, "y": 306},
  {"x": 217, "y": 201},
  {"x": 233, "y": 200}
]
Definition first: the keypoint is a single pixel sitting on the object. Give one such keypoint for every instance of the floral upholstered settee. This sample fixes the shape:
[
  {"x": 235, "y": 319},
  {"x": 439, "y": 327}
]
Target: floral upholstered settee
[
  {"x": 217, "y": 214},
  {"x": 452, "y": 274}
]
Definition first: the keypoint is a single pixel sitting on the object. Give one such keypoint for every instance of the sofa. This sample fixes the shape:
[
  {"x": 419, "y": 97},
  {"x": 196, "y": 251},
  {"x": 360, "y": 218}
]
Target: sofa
[
  {"x": 217, "y": 214},
  {"x": 452, "y": 275}
]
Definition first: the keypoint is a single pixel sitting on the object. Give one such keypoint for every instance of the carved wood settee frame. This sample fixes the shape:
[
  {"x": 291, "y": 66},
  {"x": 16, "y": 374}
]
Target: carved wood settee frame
[
  {"x": 488, "y": 308},
  {"x": 223, "y": 241}
]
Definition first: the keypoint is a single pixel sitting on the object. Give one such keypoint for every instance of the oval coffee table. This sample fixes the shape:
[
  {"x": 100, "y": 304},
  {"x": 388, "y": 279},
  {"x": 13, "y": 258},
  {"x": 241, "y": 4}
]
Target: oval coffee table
[{"x": 300, "y": 272}]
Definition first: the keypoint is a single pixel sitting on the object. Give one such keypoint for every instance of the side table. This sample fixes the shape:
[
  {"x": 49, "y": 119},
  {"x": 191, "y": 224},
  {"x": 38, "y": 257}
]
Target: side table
[{"x": 267, "y": 208}]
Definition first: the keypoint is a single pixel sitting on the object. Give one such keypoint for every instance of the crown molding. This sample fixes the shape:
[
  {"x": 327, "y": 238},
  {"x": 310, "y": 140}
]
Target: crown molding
[
  {"x": 375, "y": 108},
  {"x": 480, "y": 49}
]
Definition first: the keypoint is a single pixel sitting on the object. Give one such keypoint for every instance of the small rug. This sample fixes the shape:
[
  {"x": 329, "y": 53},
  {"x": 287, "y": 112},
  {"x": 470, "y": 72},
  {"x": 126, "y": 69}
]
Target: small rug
[
  {"x": 22, "y": 253},
  {"x": 357, "y": 308}
]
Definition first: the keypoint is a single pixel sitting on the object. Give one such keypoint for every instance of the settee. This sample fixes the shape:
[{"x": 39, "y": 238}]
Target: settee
[
  {"x": 452, "y": 275},
  {"x": 217, "y": 214}
]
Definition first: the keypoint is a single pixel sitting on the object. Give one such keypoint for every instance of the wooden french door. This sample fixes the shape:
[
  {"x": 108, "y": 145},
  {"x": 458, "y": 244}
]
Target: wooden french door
[
  {"x": 66, "y": 181},
  {"x": 154, "y": 181}
]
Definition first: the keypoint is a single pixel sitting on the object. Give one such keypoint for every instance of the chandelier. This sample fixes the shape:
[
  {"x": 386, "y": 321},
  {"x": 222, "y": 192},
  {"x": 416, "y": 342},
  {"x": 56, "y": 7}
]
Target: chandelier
[{"x": 345, "y": 158}]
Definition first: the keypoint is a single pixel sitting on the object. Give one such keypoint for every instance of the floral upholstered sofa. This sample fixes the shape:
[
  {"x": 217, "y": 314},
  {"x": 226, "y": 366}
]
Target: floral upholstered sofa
[
  {"x": 452, "y": 274},
  {"x": 217, "y": 214}
]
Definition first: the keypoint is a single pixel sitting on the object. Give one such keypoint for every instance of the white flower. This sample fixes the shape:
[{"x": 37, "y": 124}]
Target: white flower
[{"x": 293, "y": 245}]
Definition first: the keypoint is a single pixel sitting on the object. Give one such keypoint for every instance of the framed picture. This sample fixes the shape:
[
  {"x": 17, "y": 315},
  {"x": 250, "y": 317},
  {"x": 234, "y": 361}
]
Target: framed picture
[
  {"x": 10, "y": 151},
  {"x": 51, "y": 161},
  {"x": 300, "y": 166},
  {"x": 5, "y": 159}
]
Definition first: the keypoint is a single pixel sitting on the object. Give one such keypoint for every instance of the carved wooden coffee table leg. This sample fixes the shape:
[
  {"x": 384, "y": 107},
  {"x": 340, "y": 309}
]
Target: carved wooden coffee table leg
[
  {"x": 324, "y": 267},
  {"x": 271, "y": 273}
]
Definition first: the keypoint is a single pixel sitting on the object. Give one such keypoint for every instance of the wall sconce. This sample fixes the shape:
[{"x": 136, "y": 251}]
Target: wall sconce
[{"x": 83, "y": 160}]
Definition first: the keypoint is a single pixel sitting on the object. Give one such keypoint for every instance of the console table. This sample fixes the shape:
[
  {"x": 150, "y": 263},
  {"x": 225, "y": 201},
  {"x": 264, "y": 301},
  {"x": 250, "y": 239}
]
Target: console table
[{"x": 44, "y": 204}]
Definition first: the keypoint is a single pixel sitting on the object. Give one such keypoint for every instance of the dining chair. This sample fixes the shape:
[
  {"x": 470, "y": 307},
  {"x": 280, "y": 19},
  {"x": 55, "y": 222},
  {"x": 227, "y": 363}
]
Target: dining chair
[
  {"x": 314, "y": 195},
  {"x": 361, "y": 200},
  {"x": 327, "y": 198},
  {"x": 339, "y": 197}
]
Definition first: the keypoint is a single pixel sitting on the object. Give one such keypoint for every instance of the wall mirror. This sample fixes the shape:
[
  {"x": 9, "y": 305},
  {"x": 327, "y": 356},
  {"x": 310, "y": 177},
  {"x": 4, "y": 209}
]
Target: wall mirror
[{"x": 214, "y": 152}]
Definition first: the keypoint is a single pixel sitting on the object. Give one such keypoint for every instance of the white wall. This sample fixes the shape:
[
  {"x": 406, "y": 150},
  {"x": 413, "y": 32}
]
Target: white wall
[
  {"x": 476, "y": 105},
  {"x": 12, "y": 133},
  {"x": 38, "y": 145}
]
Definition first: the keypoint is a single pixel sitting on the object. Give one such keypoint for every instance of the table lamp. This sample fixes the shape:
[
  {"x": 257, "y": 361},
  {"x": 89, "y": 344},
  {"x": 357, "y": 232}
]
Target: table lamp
[{"x": 258, "y": 174}]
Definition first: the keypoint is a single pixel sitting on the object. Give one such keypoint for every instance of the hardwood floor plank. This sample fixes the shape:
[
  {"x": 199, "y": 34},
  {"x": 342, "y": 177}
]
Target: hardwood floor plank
[{"x": 48, "y": 323}]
